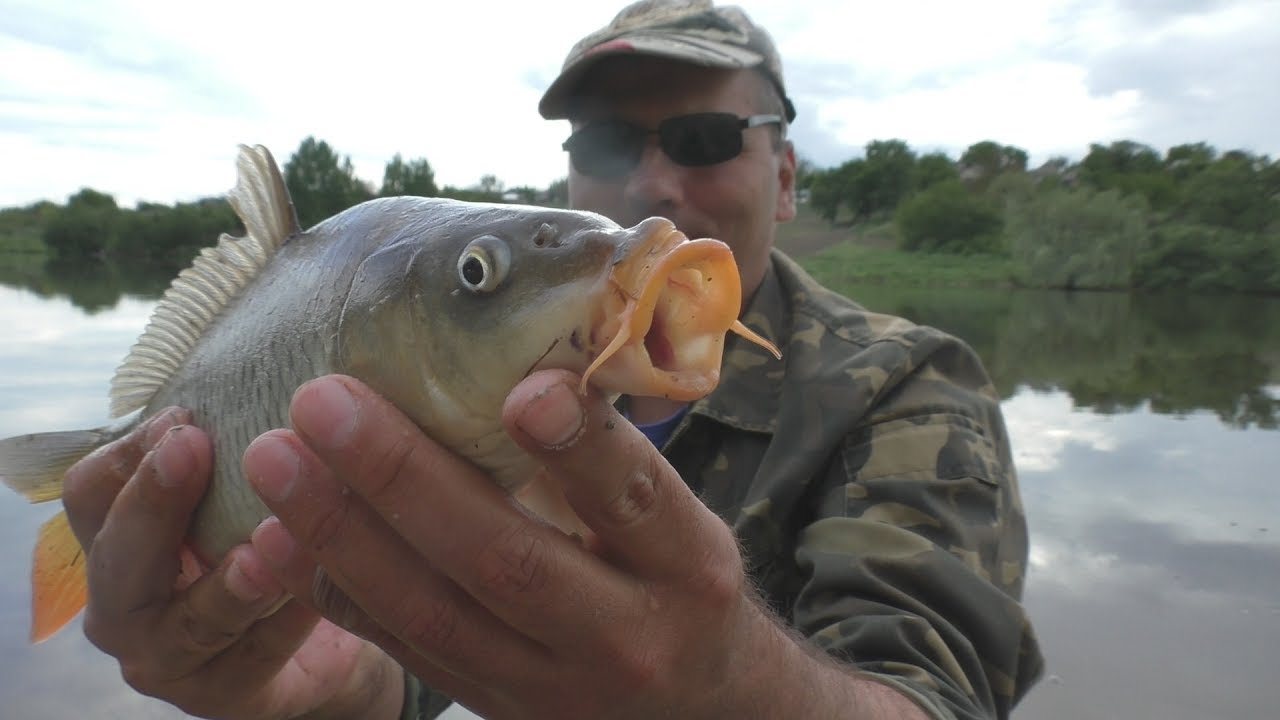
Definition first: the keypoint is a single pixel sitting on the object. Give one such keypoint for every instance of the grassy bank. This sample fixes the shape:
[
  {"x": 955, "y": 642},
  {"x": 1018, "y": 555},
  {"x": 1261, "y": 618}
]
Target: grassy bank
[
  {"x": 849, "y": 262},
  {"x": 867, "y": 254}
]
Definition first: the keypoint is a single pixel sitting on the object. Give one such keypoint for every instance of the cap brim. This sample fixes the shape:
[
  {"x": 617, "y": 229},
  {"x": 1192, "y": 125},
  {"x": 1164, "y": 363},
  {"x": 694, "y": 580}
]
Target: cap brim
[{"x": 554, "y": 104}]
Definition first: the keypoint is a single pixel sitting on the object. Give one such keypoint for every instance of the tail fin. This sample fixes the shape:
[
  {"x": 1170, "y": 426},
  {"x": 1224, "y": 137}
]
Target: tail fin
[
  {"x": 59, "y": 586},
  {"x": 33, "y": 465}
]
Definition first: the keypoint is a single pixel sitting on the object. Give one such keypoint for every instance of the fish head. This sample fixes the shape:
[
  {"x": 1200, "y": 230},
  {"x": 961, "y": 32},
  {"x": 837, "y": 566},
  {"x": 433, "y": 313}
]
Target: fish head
[{"x": 465, "y": 299}]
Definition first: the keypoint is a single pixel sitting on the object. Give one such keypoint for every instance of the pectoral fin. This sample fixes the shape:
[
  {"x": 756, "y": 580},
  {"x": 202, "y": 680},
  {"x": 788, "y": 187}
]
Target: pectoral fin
[{"x": 59, "y": 586}]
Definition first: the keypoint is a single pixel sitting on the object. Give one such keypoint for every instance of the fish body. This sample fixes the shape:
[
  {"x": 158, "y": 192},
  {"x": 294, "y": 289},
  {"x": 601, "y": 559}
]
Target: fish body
[{"x": 439, "y": 305}]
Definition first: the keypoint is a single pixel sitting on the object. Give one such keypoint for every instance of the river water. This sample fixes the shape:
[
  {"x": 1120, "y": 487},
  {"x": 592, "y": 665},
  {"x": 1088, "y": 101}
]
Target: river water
[{"x": 1145, "y": 433}]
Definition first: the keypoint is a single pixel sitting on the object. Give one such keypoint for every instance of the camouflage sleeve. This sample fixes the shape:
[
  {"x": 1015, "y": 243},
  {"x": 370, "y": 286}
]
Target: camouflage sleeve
[{"x": 914, "y": 564}]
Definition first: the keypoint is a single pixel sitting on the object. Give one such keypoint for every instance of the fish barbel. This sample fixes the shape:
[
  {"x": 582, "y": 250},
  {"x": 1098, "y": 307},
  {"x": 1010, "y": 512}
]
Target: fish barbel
[{"x": 440, "y": 306}]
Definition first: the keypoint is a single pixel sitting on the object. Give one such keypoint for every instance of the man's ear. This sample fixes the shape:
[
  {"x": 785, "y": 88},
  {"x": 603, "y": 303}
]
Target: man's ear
[{"x": 786, "y": 209}]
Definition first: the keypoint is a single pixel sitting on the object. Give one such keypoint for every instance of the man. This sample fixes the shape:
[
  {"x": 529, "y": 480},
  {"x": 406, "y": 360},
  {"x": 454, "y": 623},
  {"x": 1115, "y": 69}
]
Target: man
[{"x": 837, "y": 534}]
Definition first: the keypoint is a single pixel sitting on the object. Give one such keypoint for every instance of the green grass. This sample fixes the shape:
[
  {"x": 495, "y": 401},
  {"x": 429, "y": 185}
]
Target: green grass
[{"x": 849, "y": 262}]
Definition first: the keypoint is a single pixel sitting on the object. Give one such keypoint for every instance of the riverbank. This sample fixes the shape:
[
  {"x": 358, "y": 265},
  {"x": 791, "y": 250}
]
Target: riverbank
[{"x": 843, "y": 256}]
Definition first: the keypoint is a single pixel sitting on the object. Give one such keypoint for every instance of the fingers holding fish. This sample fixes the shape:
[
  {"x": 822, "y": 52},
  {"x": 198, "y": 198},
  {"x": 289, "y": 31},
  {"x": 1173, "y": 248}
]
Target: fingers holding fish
[
  {"x": 205, "y": 639},
  {"x": 134, "y": 558},
  {"x": 517, "y": 566},
  {"x": 481, "y": 598},
  {"x": 336, "y": 552},
  {"x": 165, "y": 637},
  {"x": 640, "y": 511},
  {"x": 92, "y": 484}
]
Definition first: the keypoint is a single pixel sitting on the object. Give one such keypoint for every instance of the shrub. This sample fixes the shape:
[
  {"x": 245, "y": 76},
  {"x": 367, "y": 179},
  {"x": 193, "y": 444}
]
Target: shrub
[{"x": 948, "y": 218}]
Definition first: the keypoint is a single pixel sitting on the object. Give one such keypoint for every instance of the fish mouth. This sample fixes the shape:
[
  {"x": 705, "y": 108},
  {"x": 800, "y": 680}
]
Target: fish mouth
[{"x": 664, "y": 315}]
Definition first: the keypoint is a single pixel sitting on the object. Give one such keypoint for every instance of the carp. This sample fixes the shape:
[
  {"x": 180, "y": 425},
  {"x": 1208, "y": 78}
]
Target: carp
[{"x": 440, "y": 306}]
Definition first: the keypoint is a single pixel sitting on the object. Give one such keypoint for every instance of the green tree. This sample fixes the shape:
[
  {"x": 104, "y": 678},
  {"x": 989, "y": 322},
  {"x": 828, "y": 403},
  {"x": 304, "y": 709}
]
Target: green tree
[
  {"x": 169, "y": 237},
  {"x": 412, "y": 178},
  {"x": 84, "y": 228},
  {"x": 1203, "y": 258},
  {"x": 948, "y": 218},
  {"x": 321, "y": 183},
  {"x": 884, "y": 180},
  {"x": 932, "y": 169},
  {"x": 983, "y": 162},
  {"x": 1232, "y": 192},
  {"x": 827, "y": 193},
  {"x": 1132, "y": 169},
  {"x": 1187, "y": 160},
  {"x": 1076, "y": 239}
]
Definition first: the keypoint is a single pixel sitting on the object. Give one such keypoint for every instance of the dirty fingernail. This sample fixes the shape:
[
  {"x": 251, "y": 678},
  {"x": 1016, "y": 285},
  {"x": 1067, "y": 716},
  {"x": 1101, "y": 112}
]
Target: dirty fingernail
[
  {"x": 554, "y": 417},
  {"x": 157, "y": 427},
  {"x": 172, "y": 457}
]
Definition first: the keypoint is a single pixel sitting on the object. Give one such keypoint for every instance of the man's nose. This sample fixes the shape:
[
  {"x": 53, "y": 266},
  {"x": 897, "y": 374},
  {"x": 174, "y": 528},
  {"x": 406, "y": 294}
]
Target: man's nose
[{"x": 656, "y": 185}]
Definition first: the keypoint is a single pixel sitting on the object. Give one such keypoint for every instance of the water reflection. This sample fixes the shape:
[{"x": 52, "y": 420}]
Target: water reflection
[
  {"x": 1114, "y": 352},
  {"x": 1145, "y": 437},
  {"x": 1155, "y": 573},
  {"x": 90, "y": 286}
]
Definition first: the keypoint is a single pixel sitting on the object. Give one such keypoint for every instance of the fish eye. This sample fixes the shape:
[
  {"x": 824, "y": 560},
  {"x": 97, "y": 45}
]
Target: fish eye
[{"x": 483, "y": 264}]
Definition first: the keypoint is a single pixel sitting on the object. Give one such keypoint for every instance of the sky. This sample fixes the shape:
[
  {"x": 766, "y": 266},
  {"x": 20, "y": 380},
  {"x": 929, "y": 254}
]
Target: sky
[{"x": 147, "y": 100}]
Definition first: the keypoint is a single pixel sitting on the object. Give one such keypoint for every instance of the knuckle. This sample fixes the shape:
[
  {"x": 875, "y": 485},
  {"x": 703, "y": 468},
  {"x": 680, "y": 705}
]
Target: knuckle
[
  {"x": 430, "y": 625},
  {"x": 718, "y": 582},
  {"x": 638, "y": 660},
  {"x": 138, "y": 676},
  {"x": 515, "y": 563},
  {"x": 636, "y": 499},
  {"x": 97, "y": 630},
  {"x": 389, "y": 468},
  {"x": 203, "y": 634}
]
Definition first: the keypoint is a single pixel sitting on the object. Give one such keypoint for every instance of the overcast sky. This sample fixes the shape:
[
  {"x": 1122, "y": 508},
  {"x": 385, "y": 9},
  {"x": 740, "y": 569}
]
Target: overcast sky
[{"x": 147, "y": 100}]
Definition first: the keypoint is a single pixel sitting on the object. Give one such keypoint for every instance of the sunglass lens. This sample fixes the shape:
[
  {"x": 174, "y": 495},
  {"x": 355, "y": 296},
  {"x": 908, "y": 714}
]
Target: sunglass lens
[
  {"x": 701, "y": 139},
  {"x": 605, "y": 149}
]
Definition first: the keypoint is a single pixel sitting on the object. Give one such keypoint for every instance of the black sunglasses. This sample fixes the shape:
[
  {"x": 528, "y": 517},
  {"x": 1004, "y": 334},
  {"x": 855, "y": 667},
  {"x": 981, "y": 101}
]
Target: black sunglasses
[{"x": 609, "y": 149}]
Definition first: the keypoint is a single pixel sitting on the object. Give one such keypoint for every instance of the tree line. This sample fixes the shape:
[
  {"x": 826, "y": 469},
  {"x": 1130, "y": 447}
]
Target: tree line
[
  {"x": 1124, "y": 217},
  {"x": 322, "y": 182}
]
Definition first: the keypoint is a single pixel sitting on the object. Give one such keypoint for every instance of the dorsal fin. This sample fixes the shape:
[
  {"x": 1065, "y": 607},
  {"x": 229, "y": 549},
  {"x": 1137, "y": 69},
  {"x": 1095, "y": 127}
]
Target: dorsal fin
[{"x": 200, "y": 293}]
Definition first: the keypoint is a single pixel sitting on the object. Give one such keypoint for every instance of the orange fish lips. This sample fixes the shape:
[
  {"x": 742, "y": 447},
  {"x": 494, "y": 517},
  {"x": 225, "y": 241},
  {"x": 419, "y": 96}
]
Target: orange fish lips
[{"x": 663, "y": 318}]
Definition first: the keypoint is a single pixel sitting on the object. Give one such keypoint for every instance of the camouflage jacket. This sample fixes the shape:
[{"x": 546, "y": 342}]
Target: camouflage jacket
[{"x": 869, "y": 478}]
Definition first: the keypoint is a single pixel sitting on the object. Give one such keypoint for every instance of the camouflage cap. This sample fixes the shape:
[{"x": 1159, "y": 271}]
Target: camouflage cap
[{"x": 693, "y": 31}]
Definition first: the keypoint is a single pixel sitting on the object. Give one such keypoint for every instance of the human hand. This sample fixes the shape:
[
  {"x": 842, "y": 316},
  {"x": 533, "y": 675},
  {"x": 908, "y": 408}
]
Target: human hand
[
  {"x": 403, "y": 542},
  {"x": 197, "y": 638}
]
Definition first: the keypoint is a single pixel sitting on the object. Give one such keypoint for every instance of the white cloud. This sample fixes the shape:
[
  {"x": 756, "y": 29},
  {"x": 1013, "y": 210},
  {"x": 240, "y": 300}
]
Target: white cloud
[
  {"x": 1044, "y": 426},
  {"x": 141, "y": 99}
]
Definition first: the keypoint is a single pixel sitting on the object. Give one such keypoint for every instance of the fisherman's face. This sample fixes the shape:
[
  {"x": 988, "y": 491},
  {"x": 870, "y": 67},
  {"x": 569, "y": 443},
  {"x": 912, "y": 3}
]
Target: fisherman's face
[{"x": 739, "y": 201}]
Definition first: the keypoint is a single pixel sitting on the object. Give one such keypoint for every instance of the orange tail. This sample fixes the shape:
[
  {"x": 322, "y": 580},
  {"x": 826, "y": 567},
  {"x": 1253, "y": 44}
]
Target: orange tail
[{"x": 59, "y": 586}]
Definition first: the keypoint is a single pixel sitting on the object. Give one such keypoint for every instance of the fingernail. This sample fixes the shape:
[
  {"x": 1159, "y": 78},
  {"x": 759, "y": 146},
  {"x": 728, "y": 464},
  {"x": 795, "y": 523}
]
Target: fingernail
[
  {"x": 239, "y": 584},
  {"x": 171, "y": 457},
  {"x": 553, "y": 417},
  {"x": 274, "y": 543},
  {"x": 158, "y": 427},
  {"x": 275, "y": 466},
  {"x": 330, "y": 412}
]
